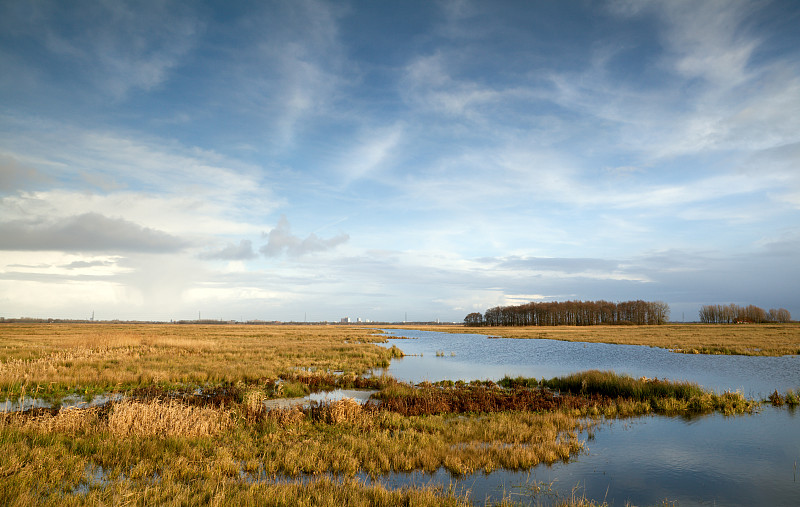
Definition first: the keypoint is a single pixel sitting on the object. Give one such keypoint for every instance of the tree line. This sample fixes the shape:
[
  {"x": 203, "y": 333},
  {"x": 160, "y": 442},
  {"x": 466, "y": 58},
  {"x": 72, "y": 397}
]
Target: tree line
[
  {"x": 732, "y": 313},
  {"x": 572, "y": 313}
]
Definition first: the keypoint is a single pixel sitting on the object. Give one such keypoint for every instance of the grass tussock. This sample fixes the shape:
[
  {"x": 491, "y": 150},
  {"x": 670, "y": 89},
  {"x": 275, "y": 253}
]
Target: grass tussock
[
  {"x": 65, "y": 421},
  {"x": 790, "y": 398},
  {"x": 166, "y": 419},
  {"x": 342, "y": 411}
]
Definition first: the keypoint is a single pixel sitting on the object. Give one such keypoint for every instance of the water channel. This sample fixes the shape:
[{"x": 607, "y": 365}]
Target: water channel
[{"x": 708, "y": 460}]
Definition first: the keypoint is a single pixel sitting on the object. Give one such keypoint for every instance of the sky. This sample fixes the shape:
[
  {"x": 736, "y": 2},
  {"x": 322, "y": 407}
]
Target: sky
[{"x": 421, "y": 160}]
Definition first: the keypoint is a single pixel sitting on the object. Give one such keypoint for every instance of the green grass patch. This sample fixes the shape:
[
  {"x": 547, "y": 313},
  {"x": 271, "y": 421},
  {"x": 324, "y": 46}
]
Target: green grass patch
[
  {"x": 631, "y": 396},
  {"x": 608, "y": 383}
]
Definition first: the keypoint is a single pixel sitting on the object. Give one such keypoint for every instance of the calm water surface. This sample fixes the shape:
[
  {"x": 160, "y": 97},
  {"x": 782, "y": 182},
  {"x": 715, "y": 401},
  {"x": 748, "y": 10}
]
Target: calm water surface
[
  {"x": 710, "y": 460},
  {"x": 480, "y": 358}
]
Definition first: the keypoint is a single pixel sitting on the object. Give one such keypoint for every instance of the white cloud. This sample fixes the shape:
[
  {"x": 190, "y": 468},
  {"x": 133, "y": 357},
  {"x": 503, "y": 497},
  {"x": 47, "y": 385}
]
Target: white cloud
[
  {"x": 160, "y": 185},
  {"x": 707, "y": 40},
  {"x": 373, "y": 152},
  {"x": 429, "y": 86}
]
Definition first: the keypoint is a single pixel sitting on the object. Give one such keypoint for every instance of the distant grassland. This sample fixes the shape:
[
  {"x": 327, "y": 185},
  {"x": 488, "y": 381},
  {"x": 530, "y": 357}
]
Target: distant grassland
[
  {"x": 50, "y": 360},
  {"x": 737, "y": 339}
]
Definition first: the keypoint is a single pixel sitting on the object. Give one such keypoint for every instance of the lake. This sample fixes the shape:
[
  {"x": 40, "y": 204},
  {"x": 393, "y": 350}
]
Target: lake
[{"x": 708, "y": 460}]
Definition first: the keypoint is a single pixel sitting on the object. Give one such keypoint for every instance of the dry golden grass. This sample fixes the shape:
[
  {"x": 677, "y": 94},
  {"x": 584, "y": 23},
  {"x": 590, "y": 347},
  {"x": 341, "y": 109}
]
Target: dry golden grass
[
  {"x": 166, "y": 419},
  {"x": 346, "y": 440},
  {"x": 158, "y": 449},
  {"x": 318, "y": 491},
  {"x": 742, "y": 339},
  {"x": 340, "y": 437},
  {"x": 154, "y": 418},
  {"x": 346, "y": 410},
  {"x": 67, "y": 421},
  {"x": 60, "y": 358}
]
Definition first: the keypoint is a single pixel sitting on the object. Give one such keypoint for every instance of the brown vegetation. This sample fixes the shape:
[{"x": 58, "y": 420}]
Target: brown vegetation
[
  {"x": 427, "y": 399},
  {"x": 790, "y": 398}
]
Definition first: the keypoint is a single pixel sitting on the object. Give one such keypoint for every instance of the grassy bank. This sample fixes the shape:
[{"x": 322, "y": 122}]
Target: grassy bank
[{"x": 738, "y": 339}]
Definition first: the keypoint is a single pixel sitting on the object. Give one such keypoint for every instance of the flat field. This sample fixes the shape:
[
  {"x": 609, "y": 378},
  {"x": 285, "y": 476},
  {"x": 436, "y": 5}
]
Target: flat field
[
  {"x": 740, "y": 339},
  {"x": 51, "y": 360}
]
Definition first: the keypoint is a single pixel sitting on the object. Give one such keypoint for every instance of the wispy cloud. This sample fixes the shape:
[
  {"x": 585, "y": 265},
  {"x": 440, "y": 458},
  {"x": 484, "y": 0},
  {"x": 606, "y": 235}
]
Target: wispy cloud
[
  {"x": 288, "y": 69},
  {"x": 130, "y": 46},
  {"x": 372, "y": 152}
]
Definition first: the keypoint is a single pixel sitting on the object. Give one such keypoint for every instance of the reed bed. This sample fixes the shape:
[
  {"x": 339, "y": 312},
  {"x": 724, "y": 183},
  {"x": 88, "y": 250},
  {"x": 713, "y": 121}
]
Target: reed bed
[
  {"x": 730, "y": 339},
  {"x": 608, "y": 383},
  {"x": 621, "y": 395}
]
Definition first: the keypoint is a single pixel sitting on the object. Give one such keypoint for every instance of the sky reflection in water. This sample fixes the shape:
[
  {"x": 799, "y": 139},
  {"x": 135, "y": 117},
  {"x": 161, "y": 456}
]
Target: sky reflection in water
[{"x": 477, "y": 357}]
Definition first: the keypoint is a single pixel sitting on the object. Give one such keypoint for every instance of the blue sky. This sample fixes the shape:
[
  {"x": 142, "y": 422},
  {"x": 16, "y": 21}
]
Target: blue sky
[{"x": 314, "y": 160}]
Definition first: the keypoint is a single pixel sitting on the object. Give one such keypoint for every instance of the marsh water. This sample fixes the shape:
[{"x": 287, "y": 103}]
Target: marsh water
[{"x": 707, "y": 460}]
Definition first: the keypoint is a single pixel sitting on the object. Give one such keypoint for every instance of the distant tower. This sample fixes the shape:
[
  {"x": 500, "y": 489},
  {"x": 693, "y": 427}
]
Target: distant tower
[{"x": 92, "y": 315}]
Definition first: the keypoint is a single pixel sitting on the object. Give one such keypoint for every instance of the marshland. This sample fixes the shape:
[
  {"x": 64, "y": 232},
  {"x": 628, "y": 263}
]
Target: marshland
[{"x": 575, "y": 417}]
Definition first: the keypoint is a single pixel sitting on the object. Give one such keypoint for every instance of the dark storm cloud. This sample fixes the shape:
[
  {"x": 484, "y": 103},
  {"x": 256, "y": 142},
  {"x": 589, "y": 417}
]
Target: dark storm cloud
[
  {"x": 280, "y": 240},
  {"x": 89, "y": 232}
]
